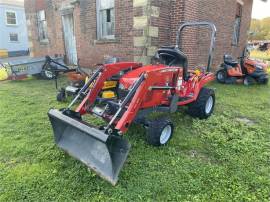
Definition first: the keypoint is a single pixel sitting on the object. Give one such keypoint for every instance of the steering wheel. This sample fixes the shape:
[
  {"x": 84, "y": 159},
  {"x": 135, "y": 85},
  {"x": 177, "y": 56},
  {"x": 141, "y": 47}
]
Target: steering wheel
[{"x": 166, "y": 60}]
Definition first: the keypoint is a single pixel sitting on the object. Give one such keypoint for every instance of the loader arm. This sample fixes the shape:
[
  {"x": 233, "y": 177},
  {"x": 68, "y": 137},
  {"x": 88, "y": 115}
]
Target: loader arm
[
  {"x": 150, "y": 79},
  {"x": 107, "y": 72}
]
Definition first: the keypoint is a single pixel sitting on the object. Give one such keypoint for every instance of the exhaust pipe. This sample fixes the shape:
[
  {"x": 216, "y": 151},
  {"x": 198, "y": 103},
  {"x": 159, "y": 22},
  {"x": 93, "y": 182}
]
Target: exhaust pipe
[{"x": 103, "y": 153}]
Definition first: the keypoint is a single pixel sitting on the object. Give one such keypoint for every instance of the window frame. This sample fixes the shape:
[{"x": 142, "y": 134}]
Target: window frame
[
  {"x": 39, "y": 23},
  {"x": 238, "y": 17},
  {"x": 100, "y": 36},
  {"x": 11, "y": 11},
  {"x": 17, "y": 37}
]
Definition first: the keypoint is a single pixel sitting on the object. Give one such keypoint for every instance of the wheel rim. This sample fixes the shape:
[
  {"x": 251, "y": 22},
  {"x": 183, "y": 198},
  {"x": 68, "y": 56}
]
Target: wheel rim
[
  {"x": 166, "y": 134},
  {"x": 209, "y": 105},
  {"x": 48, "y": 74},
  {"x": 220, "y": 76},
  {"x": 246, "y": 82}
]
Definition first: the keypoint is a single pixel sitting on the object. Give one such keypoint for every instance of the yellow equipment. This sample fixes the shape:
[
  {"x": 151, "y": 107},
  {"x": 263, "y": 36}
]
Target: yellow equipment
[
  {"x": 108, "y": 94},
  {"x": 3, "y": 74},
  {"x": 109, "y": 85},
  {"x": 3, "y": 53}
]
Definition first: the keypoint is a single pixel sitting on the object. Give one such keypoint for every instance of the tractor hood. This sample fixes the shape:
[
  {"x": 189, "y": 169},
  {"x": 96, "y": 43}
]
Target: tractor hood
[
  {"x": 129, "y": 78},
  {"x": 256, "y": 63}
]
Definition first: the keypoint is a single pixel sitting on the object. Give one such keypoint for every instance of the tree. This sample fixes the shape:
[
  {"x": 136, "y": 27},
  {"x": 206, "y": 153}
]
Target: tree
[{"x": 260, "y": 29}]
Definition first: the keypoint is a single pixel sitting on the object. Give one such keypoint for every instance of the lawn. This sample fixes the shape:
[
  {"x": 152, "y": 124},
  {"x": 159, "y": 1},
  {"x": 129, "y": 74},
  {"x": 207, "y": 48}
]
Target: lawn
[{"x": 223, "y": 158}]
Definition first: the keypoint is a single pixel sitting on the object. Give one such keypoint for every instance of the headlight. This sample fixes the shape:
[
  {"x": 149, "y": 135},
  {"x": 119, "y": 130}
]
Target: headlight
[{"x": 259, "y": 66}]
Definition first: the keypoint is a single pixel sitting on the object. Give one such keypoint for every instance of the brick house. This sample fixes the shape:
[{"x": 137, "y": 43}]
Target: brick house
[{"x": 134, "y": 29}]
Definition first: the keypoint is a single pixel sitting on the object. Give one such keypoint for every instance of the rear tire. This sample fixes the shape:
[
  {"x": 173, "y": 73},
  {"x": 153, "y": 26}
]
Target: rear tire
[
  {"x": 221, "y": 76},
  {"x": 159, "y": 132},
  {"x": 61, "y": 95},
  {"x": 203, "y": 107},
  {"x": 263, "y": 81}
]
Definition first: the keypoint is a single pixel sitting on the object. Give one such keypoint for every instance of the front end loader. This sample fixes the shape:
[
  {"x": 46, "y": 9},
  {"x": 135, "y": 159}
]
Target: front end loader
[{"x": 163, "y": 86}]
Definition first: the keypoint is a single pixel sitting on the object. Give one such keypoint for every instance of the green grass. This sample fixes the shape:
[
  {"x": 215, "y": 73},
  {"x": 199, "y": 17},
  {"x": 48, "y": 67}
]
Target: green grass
[{"x": 219, "y": 159}]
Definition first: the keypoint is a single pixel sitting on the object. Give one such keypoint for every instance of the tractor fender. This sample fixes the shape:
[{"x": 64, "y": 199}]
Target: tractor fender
[
  {"x": 202, "y": 82},
  {"x": 206, "y": 79}
]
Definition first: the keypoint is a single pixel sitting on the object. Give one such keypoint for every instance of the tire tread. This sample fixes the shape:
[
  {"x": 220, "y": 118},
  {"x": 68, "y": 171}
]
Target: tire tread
[
  {"x": 155, "y": 128},
  {"x": 197, "y": 108}
]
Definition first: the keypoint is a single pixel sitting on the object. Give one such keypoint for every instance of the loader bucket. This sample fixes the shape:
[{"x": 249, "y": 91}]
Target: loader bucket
[{"x": 103, "y": 153}]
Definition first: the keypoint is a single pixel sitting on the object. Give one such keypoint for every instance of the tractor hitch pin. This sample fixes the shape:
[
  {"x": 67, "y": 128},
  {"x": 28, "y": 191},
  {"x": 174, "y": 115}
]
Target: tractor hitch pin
[{"x": 85, "y": 87}]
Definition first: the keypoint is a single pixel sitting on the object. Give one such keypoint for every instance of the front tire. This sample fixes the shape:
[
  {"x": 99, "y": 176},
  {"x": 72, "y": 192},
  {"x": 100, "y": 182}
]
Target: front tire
[
  {"x": 221, "y": 76},
  {"x": 159, "y": 132},
  {"x": 203, "y": 107},
  {"x": 248, "y": 81},
  {"x": 61, "y": 95}
]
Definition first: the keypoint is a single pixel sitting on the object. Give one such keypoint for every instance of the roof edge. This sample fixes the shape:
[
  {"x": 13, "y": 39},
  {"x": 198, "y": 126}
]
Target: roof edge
[{"x": 17, "y": 3}]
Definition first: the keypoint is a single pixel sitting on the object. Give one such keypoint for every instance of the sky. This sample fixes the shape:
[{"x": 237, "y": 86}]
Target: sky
[{"x": 261, "y": 9}]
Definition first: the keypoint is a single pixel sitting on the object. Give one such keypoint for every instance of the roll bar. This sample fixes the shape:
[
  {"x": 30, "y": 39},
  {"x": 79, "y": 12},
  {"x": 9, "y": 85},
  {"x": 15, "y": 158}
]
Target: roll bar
[{"x": 213, "y": 37}]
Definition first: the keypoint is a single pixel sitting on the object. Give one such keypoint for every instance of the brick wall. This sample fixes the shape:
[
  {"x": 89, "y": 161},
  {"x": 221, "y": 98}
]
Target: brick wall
[
  {"x": 55, "y": 45},
  {"x": 225, "y": 25},
  {"x": 93, "y": 51},
  {"x": 222, "y": 14},
  {"x": 163, "y": 22},
  {"x": 89, "y": 49},
  {"x": 140, "y": 42}
]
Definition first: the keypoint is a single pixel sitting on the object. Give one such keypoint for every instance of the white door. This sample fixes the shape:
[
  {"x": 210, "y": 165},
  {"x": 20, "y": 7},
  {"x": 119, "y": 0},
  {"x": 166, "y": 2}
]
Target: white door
[{"x": 69, "y": 37}]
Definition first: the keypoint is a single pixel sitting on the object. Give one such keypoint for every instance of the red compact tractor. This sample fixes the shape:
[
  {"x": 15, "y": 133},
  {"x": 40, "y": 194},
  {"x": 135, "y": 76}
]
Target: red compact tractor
[{"x": 139, "y": 90}]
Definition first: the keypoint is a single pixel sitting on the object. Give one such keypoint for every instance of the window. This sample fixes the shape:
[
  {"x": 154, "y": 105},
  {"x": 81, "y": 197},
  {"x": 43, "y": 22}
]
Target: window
[
  {"x": 105, "y": 19},
  {"x": 11, "y": 18},
  {"x": 237, "y": 25},
  {"x": 42, "y": 26},
  {"x": 13, "y": 37}
]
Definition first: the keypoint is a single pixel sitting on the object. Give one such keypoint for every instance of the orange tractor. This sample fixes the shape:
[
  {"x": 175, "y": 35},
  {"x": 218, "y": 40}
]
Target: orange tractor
[{"x": 247, "y": 71}]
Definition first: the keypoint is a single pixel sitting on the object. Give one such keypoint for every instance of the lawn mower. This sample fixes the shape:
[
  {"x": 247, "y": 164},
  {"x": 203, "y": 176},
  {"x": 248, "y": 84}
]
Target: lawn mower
[
  {"x": 52, "y": 69},
  {"x": 247, "y": 71},
  {"x": 141, "y": 90}
]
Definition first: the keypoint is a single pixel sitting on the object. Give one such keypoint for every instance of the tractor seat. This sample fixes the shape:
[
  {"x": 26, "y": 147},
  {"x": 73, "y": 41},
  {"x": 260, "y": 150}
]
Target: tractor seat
[
  {"x": 171, "y": 56},
  {"x": 229, "y": 60}
]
